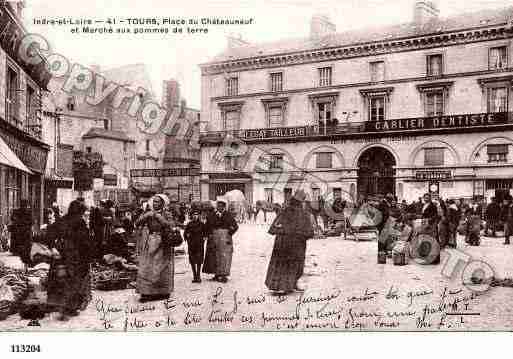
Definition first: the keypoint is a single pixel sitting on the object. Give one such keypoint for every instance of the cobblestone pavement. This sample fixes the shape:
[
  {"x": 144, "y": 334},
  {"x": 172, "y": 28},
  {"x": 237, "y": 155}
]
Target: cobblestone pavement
[{"x": 345, "y": 290}]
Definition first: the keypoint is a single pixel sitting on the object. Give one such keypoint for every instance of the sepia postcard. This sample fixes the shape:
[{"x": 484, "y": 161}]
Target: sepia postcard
[{"x": 255, "y": 166}]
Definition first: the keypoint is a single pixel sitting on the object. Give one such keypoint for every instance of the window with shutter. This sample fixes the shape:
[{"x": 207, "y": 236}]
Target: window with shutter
[
  {"x": 231, "y": 122},
  {"x": 276, "y": 162},
  {"x": 377, "y": 71},
  {"x": 232, "y": 86},
  {"x": 377, "y": 108},
  {"x": 276, "y": 82},
  {"x": 324, "y": 109},
  {"x": 275, "y": 117},
  {"x": 498, "y": 58},
  {"x": 434, "y": 156},
  {"x": 497, "y": 153},
  {"x": 434, "y": 65},
  {"x": 325, "y": 76},
  {"x": 498, "y": 99},
  {"x": 434, "y": 103},
  {"x": 324, "y": 160},
  {"x": 269, "y": 195}
]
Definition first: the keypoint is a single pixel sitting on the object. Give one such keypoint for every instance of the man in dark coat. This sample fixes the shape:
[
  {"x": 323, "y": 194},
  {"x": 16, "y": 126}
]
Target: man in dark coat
[
  {"x": 504, "y": 213},
  {"x": 431, "y": 219},
  {"x": 492, "y": 216},
  {"x": 508, "y": 225},
  {"x": 195, "y": 234},
  {"x": 21, "y": 231},
  {"x": 221, "y": 227},
  {"x": 384, "y": 208},
  {"x": 292, "y": 229}
]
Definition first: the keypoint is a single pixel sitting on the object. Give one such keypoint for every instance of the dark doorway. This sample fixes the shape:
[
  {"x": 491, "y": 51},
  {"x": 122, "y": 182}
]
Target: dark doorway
[
  {"x": 219, "y": 189},
  {"x": 376, "y": 172}
]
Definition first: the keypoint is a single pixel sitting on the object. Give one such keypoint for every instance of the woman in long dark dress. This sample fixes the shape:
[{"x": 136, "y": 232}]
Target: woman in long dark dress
[
  {"x": 155, "y": 276},
  {"x": 69, "y": 280},
  {"x": 292, "y": 228}
]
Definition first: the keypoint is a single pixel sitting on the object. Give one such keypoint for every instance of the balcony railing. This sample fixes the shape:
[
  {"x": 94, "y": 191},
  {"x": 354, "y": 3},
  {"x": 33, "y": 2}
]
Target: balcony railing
[
  {"x": 32, "y": 127},
  {"x": 403, "y": 126}
]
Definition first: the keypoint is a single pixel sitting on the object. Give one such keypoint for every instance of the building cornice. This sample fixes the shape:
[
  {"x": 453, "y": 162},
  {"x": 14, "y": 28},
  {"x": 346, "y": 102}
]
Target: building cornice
[
  {"x": 452, "y": 38},
  {"x": 435, "y": 85}
]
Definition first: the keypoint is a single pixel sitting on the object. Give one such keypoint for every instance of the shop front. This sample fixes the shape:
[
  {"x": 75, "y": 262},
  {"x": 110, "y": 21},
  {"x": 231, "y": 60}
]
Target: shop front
[
  {"x": 22, "y": 172},
  {"x": 220, "y": 183}
]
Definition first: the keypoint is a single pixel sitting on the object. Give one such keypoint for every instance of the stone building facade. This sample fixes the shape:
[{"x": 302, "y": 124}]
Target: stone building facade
[
  {"x": 408, "y": 109},
  {"x": 23, "y": 153}
]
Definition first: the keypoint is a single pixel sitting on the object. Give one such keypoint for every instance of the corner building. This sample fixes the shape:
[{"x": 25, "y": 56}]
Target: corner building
[{"x": 411, "y": 108}]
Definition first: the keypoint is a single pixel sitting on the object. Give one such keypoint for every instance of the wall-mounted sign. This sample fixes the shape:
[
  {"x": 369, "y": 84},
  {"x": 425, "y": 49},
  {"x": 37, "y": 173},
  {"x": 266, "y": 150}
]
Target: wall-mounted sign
[
  {"x": 273, "y": 132},
  {"x": 433, "y": 175},
  {"x": 11, "y": 36},
  {"x": 33, "y": 156},
  {"x": 450, "y": 121},
  {"x": 110, "y": 180},
  {"x": 165, "y": 172},
  {"x": 59, "y": 183},
  {"x": 434, "y": 189}
]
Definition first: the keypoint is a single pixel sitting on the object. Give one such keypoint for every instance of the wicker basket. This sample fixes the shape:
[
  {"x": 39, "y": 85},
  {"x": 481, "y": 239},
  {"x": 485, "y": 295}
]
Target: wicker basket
[{"x": 112, "y": 284}]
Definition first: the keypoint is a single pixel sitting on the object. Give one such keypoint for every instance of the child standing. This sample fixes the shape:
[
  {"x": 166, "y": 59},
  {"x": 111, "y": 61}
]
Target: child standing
[{"x": 195, "y": 233}]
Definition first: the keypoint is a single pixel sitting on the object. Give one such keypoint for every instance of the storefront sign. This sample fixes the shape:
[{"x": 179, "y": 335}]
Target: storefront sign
[
  {"x": 165, "y": 172},
  {"x": 434, "y": 189},
  {"x": 34, "y": 157},
  {"x": 273, "y": 133},
  {"x": 59, "y": 183},
  {"x": 88, "y": 163},
  {"x": 83, "y": 180},
  {"x": 433, "y": 175},
  {"x": 11, "y": 35},
  {"x": 425, "y": 123},
  {"x": 110, "y": 180}
]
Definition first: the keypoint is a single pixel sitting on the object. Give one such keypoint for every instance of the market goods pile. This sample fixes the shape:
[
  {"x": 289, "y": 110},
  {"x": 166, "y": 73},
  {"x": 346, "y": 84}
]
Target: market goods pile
[{"x": 21, "y": 291}]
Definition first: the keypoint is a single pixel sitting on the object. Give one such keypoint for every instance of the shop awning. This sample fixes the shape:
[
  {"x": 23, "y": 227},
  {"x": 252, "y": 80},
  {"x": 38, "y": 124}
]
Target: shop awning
[{"x": 9, "y": 158}]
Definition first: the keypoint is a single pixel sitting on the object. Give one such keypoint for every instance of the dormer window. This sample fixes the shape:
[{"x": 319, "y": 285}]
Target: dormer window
[{"x": 71, "y": 103}]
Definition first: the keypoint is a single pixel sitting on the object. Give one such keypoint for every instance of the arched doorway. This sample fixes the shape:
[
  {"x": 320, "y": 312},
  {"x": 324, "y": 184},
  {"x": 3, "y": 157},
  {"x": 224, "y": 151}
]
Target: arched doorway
[{"x": 376, "y": 172}]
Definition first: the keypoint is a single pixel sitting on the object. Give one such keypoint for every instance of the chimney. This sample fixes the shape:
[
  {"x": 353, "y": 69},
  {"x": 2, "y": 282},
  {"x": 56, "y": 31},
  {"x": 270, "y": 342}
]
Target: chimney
[
  {"x": 17, "y": 6},
  {"x": 235, "y": 40},
  {"x": 425, "y": 11},
  {"x": 320, "y": 26},
  {"x": 183, "y": 106},
  {"x": 171, "y": 94},
  {"x": 96, "y": 68}
]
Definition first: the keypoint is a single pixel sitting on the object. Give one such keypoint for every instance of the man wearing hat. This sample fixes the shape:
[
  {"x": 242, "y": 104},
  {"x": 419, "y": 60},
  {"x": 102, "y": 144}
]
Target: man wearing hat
[
  {"x": 221, "y": 227},
  {"x": 384, "y": 208},
  {"x": 292, "y": 228},
  {"x": 195, "y": 233}
]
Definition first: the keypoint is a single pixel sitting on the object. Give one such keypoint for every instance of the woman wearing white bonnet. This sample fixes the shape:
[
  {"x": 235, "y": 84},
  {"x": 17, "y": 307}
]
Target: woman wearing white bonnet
[{"x": 155, "y": 277}]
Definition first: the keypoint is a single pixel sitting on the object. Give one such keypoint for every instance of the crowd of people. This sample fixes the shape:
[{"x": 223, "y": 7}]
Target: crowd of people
[
  {"x": 442, "y": 219},
  {"x": 85, "y": 236}
]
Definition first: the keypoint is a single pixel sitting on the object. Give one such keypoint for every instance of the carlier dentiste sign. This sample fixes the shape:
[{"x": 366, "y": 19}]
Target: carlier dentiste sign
[{"x": 450, "y": 121}]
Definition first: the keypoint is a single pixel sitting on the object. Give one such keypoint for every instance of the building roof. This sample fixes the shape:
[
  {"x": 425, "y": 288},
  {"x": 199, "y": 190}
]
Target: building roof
[
  {"x": 97, "y": 132},
  {"x": 481, "y": 19},
  {"x": 132, "y": 76}
]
